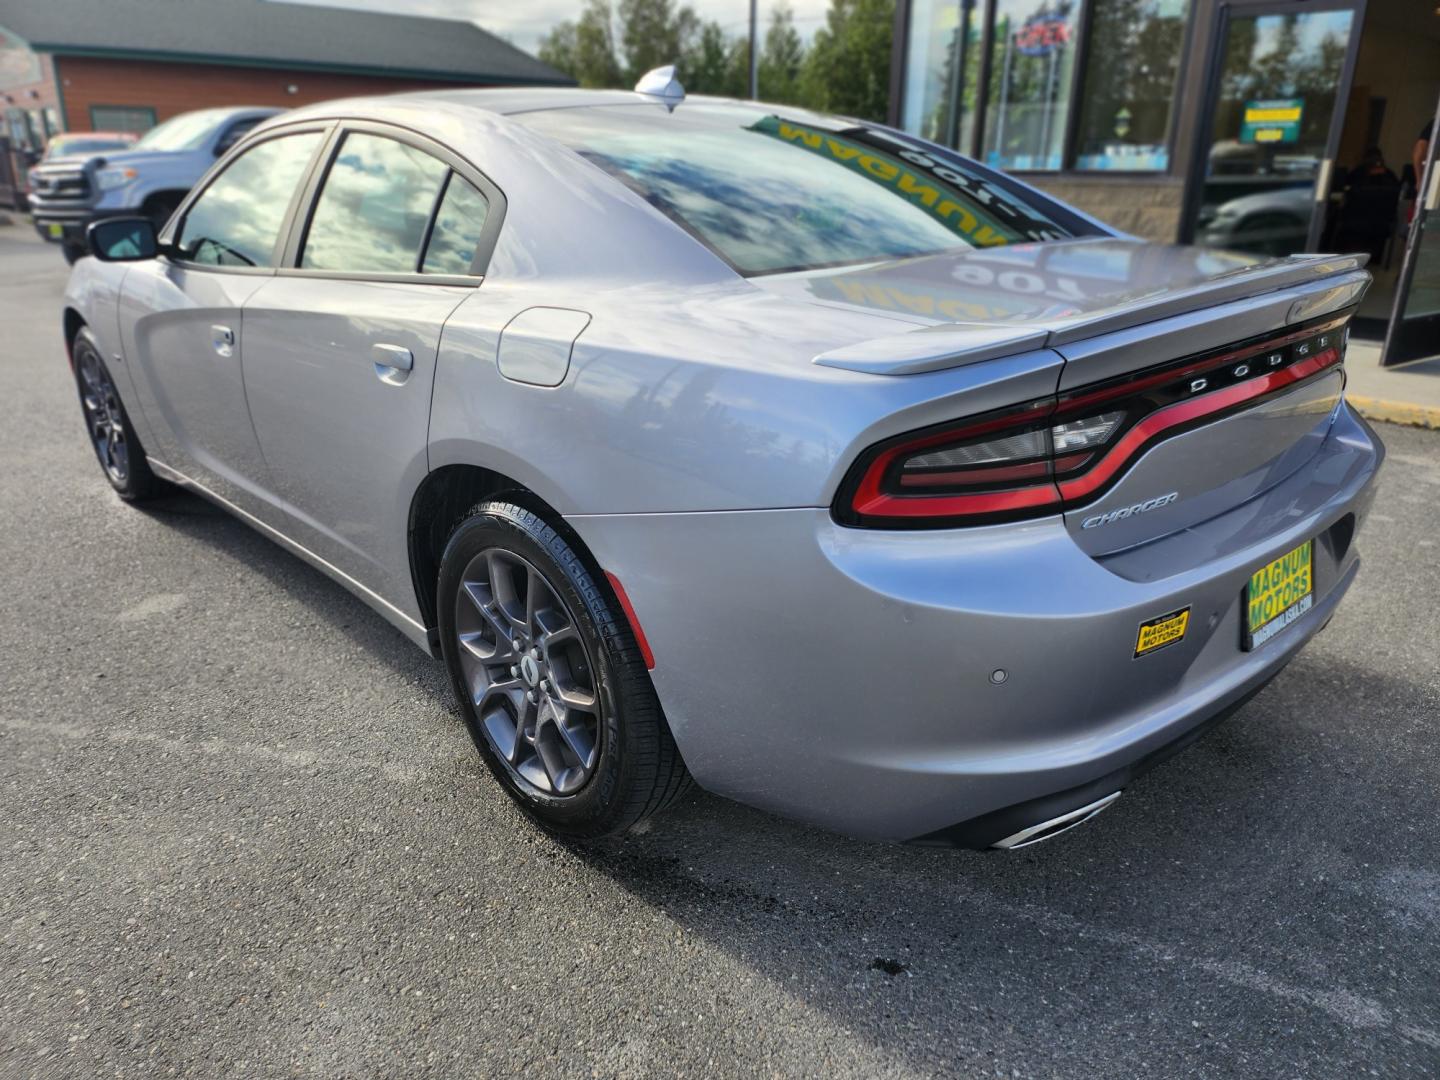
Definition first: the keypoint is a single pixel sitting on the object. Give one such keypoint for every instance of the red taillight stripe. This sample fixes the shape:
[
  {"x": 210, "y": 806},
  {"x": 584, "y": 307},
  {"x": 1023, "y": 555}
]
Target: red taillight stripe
[
  {"x": 986, "y": 502},
  {"x": 633, "y": 619},
  {"x": 884, "y": 489},
  {"x": 1185, "y": 412}
]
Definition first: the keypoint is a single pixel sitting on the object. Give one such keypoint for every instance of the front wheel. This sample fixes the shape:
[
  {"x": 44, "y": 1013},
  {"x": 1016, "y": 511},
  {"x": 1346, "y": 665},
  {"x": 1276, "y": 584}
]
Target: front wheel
[
  {"x": 554, "y": 691},
  {"x": 112, "y": 436}
]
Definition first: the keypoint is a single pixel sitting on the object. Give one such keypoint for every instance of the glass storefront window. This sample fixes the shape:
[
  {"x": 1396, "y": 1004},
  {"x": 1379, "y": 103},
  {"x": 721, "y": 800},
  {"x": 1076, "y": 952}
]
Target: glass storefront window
[
  {"x": 1031, "y": 62},
  {"x": 1134, "y": 50},
  {"x": 935, "y": 62},
  {"x": 1271, "y": 128}
]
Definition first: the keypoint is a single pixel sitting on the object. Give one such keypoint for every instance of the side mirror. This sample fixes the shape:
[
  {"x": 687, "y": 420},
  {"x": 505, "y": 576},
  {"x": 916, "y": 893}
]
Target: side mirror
[{"x": 126, "y": 239}]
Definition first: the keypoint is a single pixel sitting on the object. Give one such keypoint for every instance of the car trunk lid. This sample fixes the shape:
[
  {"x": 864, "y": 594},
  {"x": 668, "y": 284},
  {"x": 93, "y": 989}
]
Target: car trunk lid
[
  {"x": 1121, "y": 313},
  {"x": 977, "y": 305}
]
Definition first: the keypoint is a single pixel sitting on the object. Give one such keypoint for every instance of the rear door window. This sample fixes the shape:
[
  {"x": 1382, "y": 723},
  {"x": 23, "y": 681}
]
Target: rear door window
[
  {"x": 458, "y": 225},
  {"x": 236, "y": 220},
  {"x": 373, "y": 208}
]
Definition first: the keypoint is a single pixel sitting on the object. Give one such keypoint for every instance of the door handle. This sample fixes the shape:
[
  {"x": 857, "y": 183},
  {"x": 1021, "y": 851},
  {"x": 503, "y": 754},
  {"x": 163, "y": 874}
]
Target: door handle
[
  {"x": 393, "y": 364},
  {"x": 223, "y": 340}
]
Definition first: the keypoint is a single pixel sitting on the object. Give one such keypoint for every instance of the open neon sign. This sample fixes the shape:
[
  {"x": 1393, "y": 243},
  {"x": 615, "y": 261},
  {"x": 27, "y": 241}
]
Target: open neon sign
[{"x": 1043, "y": 34}]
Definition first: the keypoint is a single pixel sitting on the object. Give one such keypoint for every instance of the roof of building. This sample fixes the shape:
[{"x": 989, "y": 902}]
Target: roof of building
[{"x": 275, "y": 33}]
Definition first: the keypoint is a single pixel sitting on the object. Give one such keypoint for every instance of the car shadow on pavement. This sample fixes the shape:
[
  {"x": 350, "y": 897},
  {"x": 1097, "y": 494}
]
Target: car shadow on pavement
[
  {"x": 199, "y": 519},
  {"x": 1238, "y": 905},
  {"x": 1236, "y": 893}
]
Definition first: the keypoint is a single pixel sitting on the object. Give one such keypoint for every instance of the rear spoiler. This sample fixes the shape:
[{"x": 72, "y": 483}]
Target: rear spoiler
[{"x": 1281, "y": 294}]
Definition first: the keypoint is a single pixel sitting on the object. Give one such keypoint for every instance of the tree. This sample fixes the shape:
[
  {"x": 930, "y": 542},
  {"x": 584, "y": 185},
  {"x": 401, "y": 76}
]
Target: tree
[
  {"x": 654, "y": 33},
  {"x": 846, "y": 70},
  {"x": 737, "y": 68},
  {"x": 585, "y": 49},
  {"x": 557, "y": 48},
  {"x": 848, "y": 67},
  {"x": 704, "y": 68},
  {"x": 781, "y": 57}
]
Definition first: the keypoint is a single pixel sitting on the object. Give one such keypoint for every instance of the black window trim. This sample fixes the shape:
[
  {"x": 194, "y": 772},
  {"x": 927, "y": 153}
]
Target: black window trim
[
  {"x": 247, "y": 124},
  {"x": 176, "y": 227},
  {"x": 299, "y": 227}
]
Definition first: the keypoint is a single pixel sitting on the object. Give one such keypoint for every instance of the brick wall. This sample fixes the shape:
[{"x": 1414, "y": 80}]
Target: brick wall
[
  {"x": 170, "y": 89},
  {"x": 1147, "y": 207},
  {"x": 32, "y": 95}
]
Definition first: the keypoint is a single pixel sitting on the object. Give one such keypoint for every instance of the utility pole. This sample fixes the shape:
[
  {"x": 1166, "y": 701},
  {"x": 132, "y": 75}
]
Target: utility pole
[{"x": 754, "y": 50}]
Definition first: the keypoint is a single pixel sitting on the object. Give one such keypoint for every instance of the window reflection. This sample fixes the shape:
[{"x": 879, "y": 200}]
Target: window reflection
[
  {"x": 943, "y": 70},
  {"x": 771, "y": 194},
  {"x": 1270, "y": 128},
  {"x": 373, "y": 207},
  {"x": 457, "y": 229},
  {"x": 1134, "y": 47},
  {"x": 236, "y": 221},
  {"x": 1032, "y": 57}
]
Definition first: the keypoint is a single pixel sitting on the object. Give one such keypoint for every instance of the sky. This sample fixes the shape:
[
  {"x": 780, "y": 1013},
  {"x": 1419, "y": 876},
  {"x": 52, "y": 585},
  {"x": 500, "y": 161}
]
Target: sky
[{"x": 523, "y": 23}]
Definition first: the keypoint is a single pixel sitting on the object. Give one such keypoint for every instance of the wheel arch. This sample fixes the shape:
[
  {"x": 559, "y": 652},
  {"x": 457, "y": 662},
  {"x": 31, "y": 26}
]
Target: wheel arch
[
  {"x": 74, "y": 322},
  {"x": 442, "y": 500}
]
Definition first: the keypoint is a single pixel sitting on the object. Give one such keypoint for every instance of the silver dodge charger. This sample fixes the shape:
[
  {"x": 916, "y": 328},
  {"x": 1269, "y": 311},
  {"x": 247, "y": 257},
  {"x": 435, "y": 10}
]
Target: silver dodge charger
[{"x": 717, "y": 440}]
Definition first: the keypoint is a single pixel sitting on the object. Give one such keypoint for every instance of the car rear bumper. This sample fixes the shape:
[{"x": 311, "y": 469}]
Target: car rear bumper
[{"x": 921, "y": 685}]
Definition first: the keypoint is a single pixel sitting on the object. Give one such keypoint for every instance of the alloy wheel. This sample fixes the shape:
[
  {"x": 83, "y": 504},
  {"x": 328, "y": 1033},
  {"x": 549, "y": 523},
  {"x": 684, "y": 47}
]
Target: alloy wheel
[
  {"x": 529, "y": 673},
  {"x": 103, "y": 416}
]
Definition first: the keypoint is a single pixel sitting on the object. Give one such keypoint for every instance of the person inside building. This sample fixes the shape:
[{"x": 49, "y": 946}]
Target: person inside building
[
  {"x": 1367, "y": 214},
  {"x": 1422, "y": 150}
]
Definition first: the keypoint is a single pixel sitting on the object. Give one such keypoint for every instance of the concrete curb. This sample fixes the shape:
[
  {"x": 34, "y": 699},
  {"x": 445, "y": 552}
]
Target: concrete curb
[{"x": 1396, "y": 412}]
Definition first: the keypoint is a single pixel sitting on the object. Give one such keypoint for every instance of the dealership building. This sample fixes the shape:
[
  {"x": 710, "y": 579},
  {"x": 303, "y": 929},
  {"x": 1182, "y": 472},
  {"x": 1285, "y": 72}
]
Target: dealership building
[
  {"x": 126, "y": 65},
  {"x": 1239, "y": 123}
]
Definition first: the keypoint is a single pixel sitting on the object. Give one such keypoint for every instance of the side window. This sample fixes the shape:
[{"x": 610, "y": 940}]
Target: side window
[
  {"x": 236, "y": 220},
  {"x": 373, "y": 208},
  {"x": 457, "y": 229}
]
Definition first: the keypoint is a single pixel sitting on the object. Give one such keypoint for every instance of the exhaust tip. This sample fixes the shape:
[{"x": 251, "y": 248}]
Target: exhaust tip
[{"x": 1052, "y": 827}]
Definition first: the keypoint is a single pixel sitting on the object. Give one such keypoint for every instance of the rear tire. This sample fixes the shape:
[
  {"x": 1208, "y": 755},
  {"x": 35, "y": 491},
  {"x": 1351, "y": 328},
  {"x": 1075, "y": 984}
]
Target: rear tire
[
  {"x": 550, "y": 679},
  {"x": 117, "y": 447}
]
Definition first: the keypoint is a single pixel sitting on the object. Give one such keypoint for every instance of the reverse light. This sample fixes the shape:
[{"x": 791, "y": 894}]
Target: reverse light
[
  {"x": 1045, "y": 456},
  {"x": 1084, "y": 434}
]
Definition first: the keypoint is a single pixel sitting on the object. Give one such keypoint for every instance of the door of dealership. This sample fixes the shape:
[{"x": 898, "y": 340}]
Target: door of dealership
[
  {"x": 1305, "y": 144},
  {"x": 1271, "y": 128},
  {"x": 1413, "y": 332}
]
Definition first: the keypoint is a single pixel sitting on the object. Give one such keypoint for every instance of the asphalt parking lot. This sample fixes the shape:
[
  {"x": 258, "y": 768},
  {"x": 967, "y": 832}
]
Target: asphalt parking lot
[{"x": 243, "y": 832}]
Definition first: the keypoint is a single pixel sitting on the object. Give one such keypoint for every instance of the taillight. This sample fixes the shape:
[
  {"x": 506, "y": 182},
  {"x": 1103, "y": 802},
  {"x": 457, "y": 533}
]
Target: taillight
[{"x": 1045, "y": 456}]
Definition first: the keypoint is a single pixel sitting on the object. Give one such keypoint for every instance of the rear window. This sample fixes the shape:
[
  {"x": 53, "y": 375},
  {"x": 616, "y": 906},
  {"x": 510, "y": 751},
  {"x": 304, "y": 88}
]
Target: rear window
[{"x": 770, "y": 193}]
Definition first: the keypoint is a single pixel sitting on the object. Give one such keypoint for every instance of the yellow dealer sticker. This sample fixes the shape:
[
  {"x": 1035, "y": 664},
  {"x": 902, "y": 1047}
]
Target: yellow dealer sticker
[
  {"x": 1162, "y": 631},
  {"x": 1279, "y": 593}
]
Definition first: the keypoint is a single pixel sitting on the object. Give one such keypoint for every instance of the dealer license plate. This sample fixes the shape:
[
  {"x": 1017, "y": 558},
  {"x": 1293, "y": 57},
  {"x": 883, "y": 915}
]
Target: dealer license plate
[
  {"x": 1279, "y": 593},
  {"x": 55, "y": 229}
]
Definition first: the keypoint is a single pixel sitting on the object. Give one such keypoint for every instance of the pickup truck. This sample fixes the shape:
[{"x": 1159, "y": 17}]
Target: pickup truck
[{"x": 150, "y": 179}]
